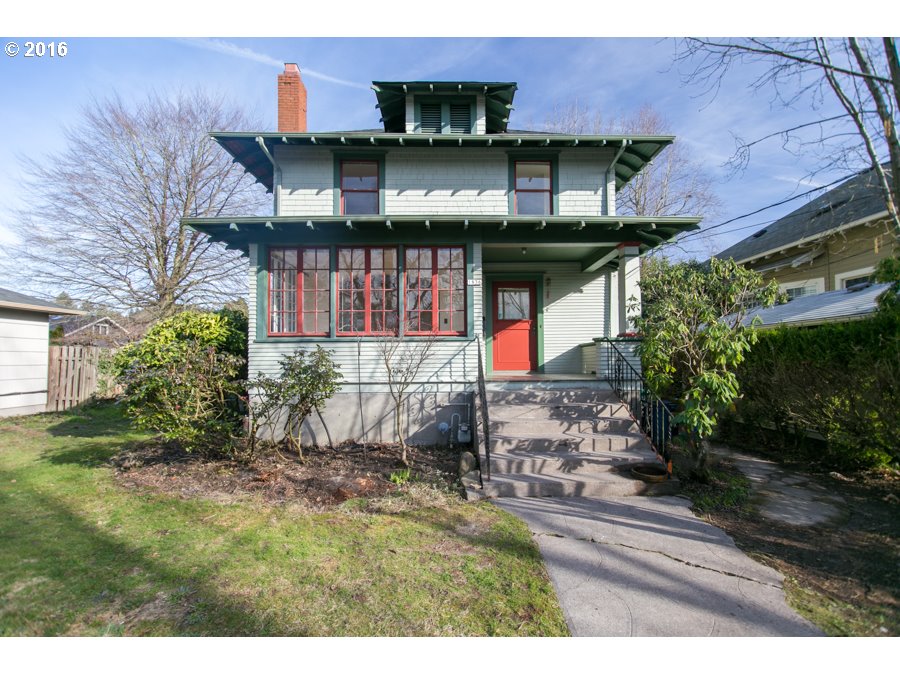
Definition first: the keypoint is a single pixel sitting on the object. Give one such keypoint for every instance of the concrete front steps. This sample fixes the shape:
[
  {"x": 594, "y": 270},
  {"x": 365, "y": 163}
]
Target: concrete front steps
[{"x": 564, "y": 442}]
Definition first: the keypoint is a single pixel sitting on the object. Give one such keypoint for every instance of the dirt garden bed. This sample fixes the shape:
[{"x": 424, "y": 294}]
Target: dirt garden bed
[{"x": 322, "y": 480}]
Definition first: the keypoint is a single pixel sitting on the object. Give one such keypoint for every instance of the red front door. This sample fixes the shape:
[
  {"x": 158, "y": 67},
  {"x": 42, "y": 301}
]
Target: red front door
[{"x": 514, "y": 325}]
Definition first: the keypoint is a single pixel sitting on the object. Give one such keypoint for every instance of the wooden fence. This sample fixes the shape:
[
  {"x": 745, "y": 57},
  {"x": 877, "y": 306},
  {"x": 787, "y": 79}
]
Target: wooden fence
[{"x": 72, "y": 376}]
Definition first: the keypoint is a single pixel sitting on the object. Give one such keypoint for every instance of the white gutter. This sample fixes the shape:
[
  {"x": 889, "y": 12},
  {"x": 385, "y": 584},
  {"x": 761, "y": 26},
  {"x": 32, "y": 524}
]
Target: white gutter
[
  {"x": 820, "y": 235},
  {"x": 276, "y": 177},
  {"x": 40, "y": 308}
]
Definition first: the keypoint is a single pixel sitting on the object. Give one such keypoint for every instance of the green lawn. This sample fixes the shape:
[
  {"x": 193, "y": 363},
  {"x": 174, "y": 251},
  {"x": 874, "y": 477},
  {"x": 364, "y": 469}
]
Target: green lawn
[{"x": 80, "y": 555}]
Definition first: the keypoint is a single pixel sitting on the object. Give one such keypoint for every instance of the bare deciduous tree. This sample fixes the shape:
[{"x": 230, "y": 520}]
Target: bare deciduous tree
[
  {"x": 861, "y": 75},
  {"x": 403, "y": 359},
  {"x": 103, "y": 215},
  {"x": 672, "y": 185}
]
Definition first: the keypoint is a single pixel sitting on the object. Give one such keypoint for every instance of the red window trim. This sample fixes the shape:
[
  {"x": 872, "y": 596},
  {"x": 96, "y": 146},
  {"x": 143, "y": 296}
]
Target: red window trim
[
  {"x": 299, "y": 291},
  {"x": 367, "y": 311},
  {"x": 435, "y": 313},
  {"x": 375, "y": 191},
  {"x": 517, "y": 189}
]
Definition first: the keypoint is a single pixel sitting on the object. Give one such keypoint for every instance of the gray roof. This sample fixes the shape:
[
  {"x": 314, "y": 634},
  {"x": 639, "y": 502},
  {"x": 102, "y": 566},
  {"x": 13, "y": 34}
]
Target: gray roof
[
  {"x": 854, "y": 200},
  {"x": 13, "y": 300},
  {"x": 810, "y": 310}
]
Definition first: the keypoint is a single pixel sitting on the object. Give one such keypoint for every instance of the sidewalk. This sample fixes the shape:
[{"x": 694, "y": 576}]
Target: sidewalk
[{"x": 646, "y": 566}]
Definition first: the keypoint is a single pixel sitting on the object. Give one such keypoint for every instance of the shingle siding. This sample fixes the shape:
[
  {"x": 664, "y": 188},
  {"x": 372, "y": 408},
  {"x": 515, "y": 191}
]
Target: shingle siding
[
  {"x": 582, "y": 182},
  {"x": 307, "y": 181},
  {"x": 465, "y": 181},
  {"x": 470, "y": 181}
]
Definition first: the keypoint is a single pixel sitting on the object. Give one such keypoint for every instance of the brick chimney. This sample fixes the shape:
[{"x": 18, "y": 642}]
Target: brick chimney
[{"x": 291, "y": 100}]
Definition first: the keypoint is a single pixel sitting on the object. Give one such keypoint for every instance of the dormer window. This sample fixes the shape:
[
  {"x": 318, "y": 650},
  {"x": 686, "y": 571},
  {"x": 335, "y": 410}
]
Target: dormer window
[{"x": 445, "y": 117}]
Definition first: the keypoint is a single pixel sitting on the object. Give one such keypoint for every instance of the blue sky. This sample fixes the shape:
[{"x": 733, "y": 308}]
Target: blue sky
[{"x": 613, "y": 75}]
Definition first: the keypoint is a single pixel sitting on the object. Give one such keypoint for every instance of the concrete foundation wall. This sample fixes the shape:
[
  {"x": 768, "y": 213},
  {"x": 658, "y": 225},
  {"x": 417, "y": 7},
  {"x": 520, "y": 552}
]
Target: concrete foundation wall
[{"x": 369, "y": 417}]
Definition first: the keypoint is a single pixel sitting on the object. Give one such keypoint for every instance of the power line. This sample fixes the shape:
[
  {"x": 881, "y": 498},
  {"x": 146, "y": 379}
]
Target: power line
[{"x": 764, "y": 208}]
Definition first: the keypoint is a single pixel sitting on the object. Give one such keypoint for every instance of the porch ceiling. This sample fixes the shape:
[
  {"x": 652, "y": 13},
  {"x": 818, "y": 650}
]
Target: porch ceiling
[
  {"x": 595, "y": 232},
  {"x": 536, "y": 253}
]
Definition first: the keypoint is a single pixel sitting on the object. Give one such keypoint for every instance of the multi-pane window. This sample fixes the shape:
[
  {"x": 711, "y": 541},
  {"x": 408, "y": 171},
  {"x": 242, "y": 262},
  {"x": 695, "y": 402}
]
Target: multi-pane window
[
  {"x": 435, "y": 290},
  {"x": 299, "y": 285},
  {"x": 367, "y": 290},
  {"x": 534, "y": 189},
  {"x": 359, "y": 188}
]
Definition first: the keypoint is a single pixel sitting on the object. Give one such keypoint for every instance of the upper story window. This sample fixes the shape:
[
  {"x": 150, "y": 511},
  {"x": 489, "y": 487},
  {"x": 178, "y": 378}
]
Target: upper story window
[
  {"x": 534, "y": 188},
  {"x": 436, "y": 117},
  {"x": 359, "y": 187}
]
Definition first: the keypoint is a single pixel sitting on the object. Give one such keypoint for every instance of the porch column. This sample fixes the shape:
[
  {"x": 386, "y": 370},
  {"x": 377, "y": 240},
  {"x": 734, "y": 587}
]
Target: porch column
[{"x": 628, "y": 277}]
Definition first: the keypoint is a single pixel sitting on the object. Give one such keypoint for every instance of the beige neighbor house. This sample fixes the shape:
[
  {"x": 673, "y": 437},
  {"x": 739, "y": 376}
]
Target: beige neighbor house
[
  {"x": 830, "y": 244},
  {"x": 24, "y": 351},
  {"x": 503, "y": 247}
]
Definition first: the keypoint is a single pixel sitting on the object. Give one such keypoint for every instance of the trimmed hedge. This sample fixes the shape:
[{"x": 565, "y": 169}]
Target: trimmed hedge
[{"x": 838, "y": 382}]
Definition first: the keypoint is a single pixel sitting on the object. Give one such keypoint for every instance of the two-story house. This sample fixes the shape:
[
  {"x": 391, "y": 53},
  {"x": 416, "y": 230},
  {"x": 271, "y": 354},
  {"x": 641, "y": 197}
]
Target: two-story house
[{"x": 442, "y": 224}]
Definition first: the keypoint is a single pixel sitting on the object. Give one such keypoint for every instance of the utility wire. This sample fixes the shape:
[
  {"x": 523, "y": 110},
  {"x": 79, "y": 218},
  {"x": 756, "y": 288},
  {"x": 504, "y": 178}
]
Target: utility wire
[{"x": 760, "y": 210}]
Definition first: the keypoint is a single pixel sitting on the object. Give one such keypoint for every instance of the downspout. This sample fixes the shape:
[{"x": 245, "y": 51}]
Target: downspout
[
  {"x": 276, "y": 175},
  {"x": 612, "y": 167},
  {"x": 610, "y": 173}
]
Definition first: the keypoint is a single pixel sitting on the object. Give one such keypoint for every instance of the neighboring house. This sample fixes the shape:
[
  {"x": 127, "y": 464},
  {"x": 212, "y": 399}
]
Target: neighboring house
[
  {"x": 857, "y": 302},
  {"x": 442, "y": 224},
  {"x": 831, "y": 243},
  {"x": 101, "y": 331},
  {"x": 24, "y": 350}
]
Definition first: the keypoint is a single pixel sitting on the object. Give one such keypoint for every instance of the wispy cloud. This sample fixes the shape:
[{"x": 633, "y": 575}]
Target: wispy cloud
[{"x": 231, "y": 49}]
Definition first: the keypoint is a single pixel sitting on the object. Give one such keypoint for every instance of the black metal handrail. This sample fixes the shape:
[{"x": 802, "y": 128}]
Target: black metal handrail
[
  {"x": 648, "y": 410},
  {"x": 485, "y": 420}
]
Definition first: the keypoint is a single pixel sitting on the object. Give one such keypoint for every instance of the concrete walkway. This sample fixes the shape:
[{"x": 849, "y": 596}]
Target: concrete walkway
[{"x": 646, "y": 566}]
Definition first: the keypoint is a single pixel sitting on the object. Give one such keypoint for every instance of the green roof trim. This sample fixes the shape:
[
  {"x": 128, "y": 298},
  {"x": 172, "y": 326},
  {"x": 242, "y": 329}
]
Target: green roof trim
[
  {"x": 498, "y": 98},
  {"x": 598, "y": 231},
  {"x": 247, "y": 147}
]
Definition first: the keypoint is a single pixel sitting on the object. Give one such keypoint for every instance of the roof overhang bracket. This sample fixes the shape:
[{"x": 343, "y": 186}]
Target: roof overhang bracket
[{"x": 598, "y": 259}]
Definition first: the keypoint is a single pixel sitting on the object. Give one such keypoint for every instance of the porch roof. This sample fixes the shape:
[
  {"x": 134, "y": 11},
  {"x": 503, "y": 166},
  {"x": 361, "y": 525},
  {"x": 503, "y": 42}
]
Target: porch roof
[
  {"x": 254, "y": 149},
  {"x": 598, "y": 235}
]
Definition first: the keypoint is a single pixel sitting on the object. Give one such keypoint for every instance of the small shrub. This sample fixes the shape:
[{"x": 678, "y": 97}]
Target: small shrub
[
  {"x": 400, "y": 477},
  {"x": 306, "y": 382}
]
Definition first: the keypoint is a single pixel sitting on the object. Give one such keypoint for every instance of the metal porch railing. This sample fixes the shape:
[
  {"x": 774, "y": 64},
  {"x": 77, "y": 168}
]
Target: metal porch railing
[{"x": 649, "y": 411}]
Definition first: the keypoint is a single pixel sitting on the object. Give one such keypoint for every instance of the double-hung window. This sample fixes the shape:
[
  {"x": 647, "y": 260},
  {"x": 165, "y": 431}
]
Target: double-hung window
[
  {"x": 435, "y": 290},
  {"x": 367, "y": 291},
  {"x": 359, "y": 187},
  {"x": 534, "y": 188},
  {"x": 299, "y": 291}
]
